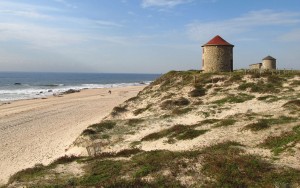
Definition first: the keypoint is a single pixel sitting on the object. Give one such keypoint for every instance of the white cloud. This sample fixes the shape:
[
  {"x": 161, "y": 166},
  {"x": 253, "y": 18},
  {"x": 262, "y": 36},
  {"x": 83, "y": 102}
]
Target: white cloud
[
  {"x": 292, "y": 36},
  {"x": 64, "y": 2},
  {"x": 253, "y": 20},
  {"x": 107, "y": 23},
  {"x": 38, "y": 36},
  {"x": 24, "y": 13},
  {"x": 163, "y": 3},
  {"x": 8, "y": 5}
]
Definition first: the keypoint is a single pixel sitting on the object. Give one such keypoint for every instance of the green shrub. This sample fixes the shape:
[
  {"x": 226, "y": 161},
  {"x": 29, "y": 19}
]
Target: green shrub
[
  {"x": 266, "y": 123},
  {"x": 118, "y": 110},
  {"x": 104, "y": 136},
  {"x": 65, "y": 159},
  {"x": 104, "y": 125},
  {"x": 180, "y": 132},
  {"x": 260, "y": 87},
  {"x": 197, "y": 92},
  {"x": 170, "y": 104},
  {"x": 295, "y": 83},
  {"x": 101, "y": 171},
  {"x": 87, "y": 132},
  {"x": 280, "y": 143},
  {"x": 260, "y": 125},
  {"x": 28, "y": 174},
  {"x": 141, "y": 110},
  {"x": 134, "y": 122},
  {"x": 208, "y": 121},
  {"x": 225, "y": 122},
  {"x": 180, "y": 111},
  {"x": 240, "y": 98},
  {"x": 122, "y": 153},
  {"x": 294, "y": 104},
  {"x": 190, "y": 134},
  {"x": 268, "y": 98},
  {"x": 235, "y": 78},
  {"x": 228, "y": 166}
]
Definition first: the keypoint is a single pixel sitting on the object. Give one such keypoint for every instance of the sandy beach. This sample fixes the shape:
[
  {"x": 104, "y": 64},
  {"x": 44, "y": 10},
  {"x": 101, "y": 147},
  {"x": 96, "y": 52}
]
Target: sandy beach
[{"x": 41, "y": 130}]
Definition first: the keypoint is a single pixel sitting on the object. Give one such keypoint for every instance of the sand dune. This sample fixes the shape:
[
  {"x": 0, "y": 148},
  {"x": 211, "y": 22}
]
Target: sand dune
[{"x": 41, "y": 130}]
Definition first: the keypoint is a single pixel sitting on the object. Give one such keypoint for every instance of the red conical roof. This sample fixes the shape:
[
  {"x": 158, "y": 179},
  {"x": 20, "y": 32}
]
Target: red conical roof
[{"x": 217, "y": 41}]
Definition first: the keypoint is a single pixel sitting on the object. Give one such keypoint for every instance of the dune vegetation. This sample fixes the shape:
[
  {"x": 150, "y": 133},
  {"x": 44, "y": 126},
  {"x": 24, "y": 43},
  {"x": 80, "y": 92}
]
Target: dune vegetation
[{"x": 190, "y": 129}]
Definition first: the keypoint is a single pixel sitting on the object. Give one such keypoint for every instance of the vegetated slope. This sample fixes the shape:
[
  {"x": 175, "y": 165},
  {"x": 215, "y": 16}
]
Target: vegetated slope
[{"x": 192, "y": 129}]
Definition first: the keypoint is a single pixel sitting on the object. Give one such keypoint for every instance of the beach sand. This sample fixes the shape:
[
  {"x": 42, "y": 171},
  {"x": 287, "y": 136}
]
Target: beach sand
[{"x": 42, "y": 130}]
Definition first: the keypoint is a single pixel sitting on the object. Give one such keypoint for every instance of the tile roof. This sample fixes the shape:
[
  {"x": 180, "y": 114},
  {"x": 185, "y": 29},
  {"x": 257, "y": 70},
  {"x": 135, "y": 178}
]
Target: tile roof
[
  {"x": 269, "y": 58},
  {"x": 217, "y": 41}
]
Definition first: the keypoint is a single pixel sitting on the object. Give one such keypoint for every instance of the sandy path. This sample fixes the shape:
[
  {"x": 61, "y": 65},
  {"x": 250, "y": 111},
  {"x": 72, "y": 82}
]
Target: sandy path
[{"x": 39, "y": 131}]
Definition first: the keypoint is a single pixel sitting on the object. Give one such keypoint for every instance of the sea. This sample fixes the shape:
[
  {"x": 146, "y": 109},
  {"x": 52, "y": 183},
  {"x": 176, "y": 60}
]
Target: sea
[{"x": 20, "y": 85}]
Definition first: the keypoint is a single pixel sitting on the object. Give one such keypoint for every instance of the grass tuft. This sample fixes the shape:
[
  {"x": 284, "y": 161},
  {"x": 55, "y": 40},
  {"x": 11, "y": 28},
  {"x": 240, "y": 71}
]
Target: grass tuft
[
  {"x": 171, "y": 104},
  {"x": 260, "y": 87},
  {"x": 280, "y": 143},
  {"x": 104, "y": 125},
  {"x": 240, "y": 98},
  {"x": 180, "y": 132},
  {"x": 294, "y": 104},
  {"x": 118, "y": 110},
  {"x": 266, "y": 123},
  {"x": 228, "y": 166},
  {"x": 197, "y": 92},
  {"x": 225, "y": 122},
  {"x": 141, "y": 110},
  {"x": 268, "y": 98}
]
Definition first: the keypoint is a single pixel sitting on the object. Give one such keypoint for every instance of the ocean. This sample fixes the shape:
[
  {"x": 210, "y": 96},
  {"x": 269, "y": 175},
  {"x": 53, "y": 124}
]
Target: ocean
[{"x": 17, "y": 86}]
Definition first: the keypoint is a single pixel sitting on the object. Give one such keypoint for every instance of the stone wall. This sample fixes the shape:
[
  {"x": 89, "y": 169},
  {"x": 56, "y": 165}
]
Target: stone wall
[
  {"x": 217, "y": 58},
  {"x": 269, "y": 64},
  {"x": 256, "y": 66}
]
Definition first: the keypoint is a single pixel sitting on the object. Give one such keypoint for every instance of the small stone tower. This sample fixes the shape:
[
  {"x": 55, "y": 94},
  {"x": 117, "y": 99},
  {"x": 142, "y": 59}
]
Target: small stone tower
[
  {"x": 217, "y": 55},
  {"x": 269, "y": 63}
]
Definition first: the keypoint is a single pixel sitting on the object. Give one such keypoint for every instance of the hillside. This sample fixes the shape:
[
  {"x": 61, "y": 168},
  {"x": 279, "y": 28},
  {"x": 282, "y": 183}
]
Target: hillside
[{"x": 190, "y": 129}]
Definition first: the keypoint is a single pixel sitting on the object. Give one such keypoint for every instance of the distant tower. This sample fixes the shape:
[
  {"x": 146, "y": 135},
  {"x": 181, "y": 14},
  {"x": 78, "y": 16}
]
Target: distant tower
[
  {"x": 269, "y": 63},
  {"x": 217, "y": 55}
]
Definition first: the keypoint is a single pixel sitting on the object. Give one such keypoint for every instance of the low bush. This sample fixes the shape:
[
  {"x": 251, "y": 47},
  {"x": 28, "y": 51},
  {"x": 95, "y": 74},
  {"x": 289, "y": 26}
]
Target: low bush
[
  {"x": 268, "y": 98},
  {"x": 122, "y": 153},
  {"x": 87, "y": 132},
  {"x": 118, "y": 110},
  {"x": 134, "y": 122},
  {"x": 199, "y": 92},
  {"x": 171, "y": 104},
  {"x": 227, "y": 165},
  {"x": 235, "y": 78},
  {"x": 28, "y": 174},
  {"x": 190, "y": 134},
  {"x": 181, "y": 111},
  {"x": 260, "y": 87},
  {"x": 104, "y": 125},
  {"x": 141, "y": 110},
  {"x": 225, "y": 122},
  {"x": 240, "y": 98},
  {"x": 180, "y": 132},
  {"x": 294, "y": 104},
  {"x": 295, "y": 83},
  {"x": 65, "y": 159},
  {"x": 266, "y": 123},
  {"x": 280, "y": 143}
]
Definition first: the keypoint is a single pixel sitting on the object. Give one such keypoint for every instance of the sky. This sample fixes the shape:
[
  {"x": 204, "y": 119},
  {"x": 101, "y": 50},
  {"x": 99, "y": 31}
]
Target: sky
[{"x": 143, "y": 36}]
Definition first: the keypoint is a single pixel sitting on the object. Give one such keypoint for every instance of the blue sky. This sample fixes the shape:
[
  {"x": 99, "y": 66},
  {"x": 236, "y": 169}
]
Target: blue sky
[{"x": 143, "y": 36}]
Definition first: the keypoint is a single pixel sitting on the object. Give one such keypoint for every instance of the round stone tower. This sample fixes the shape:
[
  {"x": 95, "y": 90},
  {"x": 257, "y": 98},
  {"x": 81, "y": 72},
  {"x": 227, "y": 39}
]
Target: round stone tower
[
  {"x": 217, "y": 55},
  {"x": 269, "y": 63}
]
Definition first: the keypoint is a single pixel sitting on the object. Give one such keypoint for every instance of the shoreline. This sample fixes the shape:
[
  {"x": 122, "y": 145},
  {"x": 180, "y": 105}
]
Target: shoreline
[
  {"x": 57, "y": 92},
  {"x": 36, "y": 131}
]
